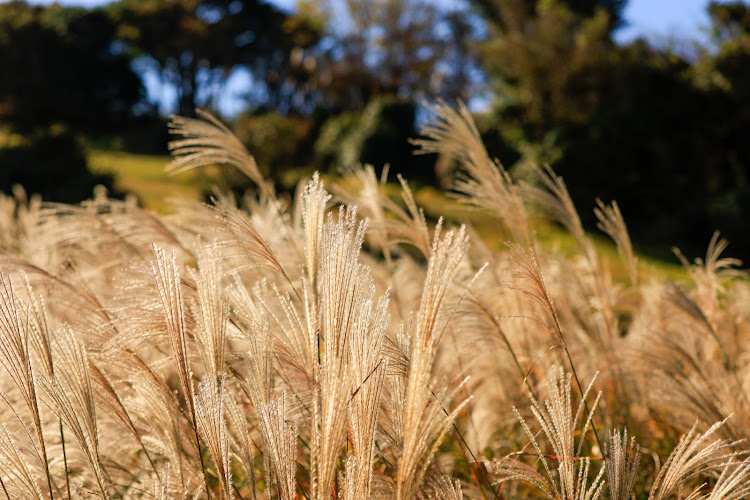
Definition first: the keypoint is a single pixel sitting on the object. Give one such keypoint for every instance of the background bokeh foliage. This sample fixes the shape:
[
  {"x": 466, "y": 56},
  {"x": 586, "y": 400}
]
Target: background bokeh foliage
[{"x": 661, "y": 128}]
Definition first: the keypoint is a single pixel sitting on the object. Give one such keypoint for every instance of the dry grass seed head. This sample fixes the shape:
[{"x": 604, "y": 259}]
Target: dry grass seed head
[
  {"x": 280, "y": 446},
  {"x": 71, "y": 397},
  {"x": 482, "y": 182},
  {"x": 612, "y": 222},
  {"x": 622, "y": 460},
  {"x": 693, "y": 456},
  {"x": 314, "y": 200},
  {"x": 560, "y": 425},
  {"x": 207, "y": 141},
  {"x": 211, "y": 313},
  {"x": 424, "y": 420},
  {"x": 211, "y": 423},
  {"x": 15, "y": 468}
]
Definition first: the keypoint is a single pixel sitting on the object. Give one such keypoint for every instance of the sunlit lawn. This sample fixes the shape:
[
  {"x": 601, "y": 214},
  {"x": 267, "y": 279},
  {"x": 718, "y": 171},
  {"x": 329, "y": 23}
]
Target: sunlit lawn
[{"x": 144, "y": 176}]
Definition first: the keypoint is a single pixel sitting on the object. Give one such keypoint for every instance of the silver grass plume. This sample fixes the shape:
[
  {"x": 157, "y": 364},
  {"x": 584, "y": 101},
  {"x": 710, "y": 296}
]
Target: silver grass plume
[
  {"x": 314, "y": 201},
  {"x": 342, "y": 286},
  {"x": 16, "y": 470},
  {"x": 560, "y": 425},
  {"x": 391, "y": 223},
  {"x": 280, "y": 446},
  {"x": 438, "y": 486},
  {"x": 733, "y": 483},
  {"x": 241, "y": 440},
  {"x": 113, "y": 406},
  {"x": 370, "y": 197},
  {"x": 248, "y": 310},
  {"x": 71, "y": 398},
  {"x": 167, "y": 277},
  {"x": 343, "y": 281},
  {"x": 553, "y": 197},
  {"x": 15, "y": 356},
  {"x": 611, "y": 222},
  {"x": 300, "y": 335},
  {"x": 163, "y": 487},
  {"x": 165, "y": 429},
  {"x": 207, "y": 141},
  {"x": 424, "y": 422},
  {"x": 211, "y": 423},
  {"x": 415, "y": 225},
  {"x": 694, "y": 455},
  {"x": 482, "y": 182},
  {"x": 246, "y": 237},
  {"x": 370, "y": 367},
  {"x": 622, "y": 460},
  {"x": 710, "y": 276},
  {"x": 211, "y": 313},
  {"x": 39, "y": 330}
]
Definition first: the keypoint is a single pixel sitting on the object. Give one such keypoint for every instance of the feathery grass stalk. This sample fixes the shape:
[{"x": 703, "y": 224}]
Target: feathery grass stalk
[
  {"x": 622, "y": 460},
  {"x": 538, "y": 291},
  {"x": 65, "y": 460},
  {"x": 5, "y": 490},
  {"x": 15, "y": 356},
  {"x": 212, "y": 425},
  {"x": 167, "y": 278},
  {"x": 420, "y": 427}
]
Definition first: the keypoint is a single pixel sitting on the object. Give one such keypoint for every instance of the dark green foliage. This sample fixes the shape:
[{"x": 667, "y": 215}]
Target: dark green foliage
[
  {"x": 60, "y": 64},
  {"x": 650, "y": 145},
  {"x": 506, "y": 13},
  {"x": 194, "y": 44},
  {"x": 62, "y": 74},
  {"x": 663, "y": 135},
  {"x": 278, "y": 143},
  {"x": 376, "y": 136},
  {"x": 147, "y": 134},
  {"x": 51, "y": 163}
]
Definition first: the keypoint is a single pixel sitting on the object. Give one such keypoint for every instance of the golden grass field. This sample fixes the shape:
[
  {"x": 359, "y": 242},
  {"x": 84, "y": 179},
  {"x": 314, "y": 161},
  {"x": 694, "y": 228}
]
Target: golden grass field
[{"x": 345, "y": 344}]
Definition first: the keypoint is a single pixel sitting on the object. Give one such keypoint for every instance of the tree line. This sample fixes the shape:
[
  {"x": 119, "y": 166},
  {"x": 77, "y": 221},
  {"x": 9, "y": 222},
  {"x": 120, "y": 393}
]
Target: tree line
[{"x": 661, "y": 129}]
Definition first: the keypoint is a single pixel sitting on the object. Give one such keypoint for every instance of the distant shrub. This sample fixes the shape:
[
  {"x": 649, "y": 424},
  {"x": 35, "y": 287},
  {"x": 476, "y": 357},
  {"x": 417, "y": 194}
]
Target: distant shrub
[
  {"x": 278, "y": 143},
  {"x": 50, "y": 162},
  {"x": 377, "y": 136}
]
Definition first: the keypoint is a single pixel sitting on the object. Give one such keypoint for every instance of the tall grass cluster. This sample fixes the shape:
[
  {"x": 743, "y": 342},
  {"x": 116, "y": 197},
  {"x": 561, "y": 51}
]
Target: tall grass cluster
[{"x": 341, "y": 346}]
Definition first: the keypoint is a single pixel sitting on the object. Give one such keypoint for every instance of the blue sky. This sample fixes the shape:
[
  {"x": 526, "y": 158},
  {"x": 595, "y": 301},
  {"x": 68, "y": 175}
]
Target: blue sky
[{"x": 662, "y": 20}]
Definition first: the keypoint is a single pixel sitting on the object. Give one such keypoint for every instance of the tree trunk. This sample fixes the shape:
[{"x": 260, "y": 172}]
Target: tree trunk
[{"x": 187, "y": 92}]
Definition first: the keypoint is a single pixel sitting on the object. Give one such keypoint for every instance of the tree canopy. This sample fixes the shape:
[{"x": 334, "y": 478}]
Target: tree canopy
[
  {"x": 639, "y": 124},
  {"x": 62, "y": 64},
  {"x": 196, "y": 43}
]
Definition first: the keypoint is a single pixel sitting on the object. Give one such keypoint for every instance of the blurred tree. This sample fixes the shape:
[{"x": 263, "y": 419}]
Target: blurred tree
[
  {"x": 730, "y": 20},
  {"x": 510, "y": 14},
  {"x": 633, "y": 123},
  {"x": 377, "y": 135},
  {"x": 196, "y": 43},
  {"x": 278, "y": 143},
  {"x": 524, "y": 56},
  {"x": 408, "y": 49},
  {"x": 62, "y": 64},
  {"x": 63, "y": 73}
]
